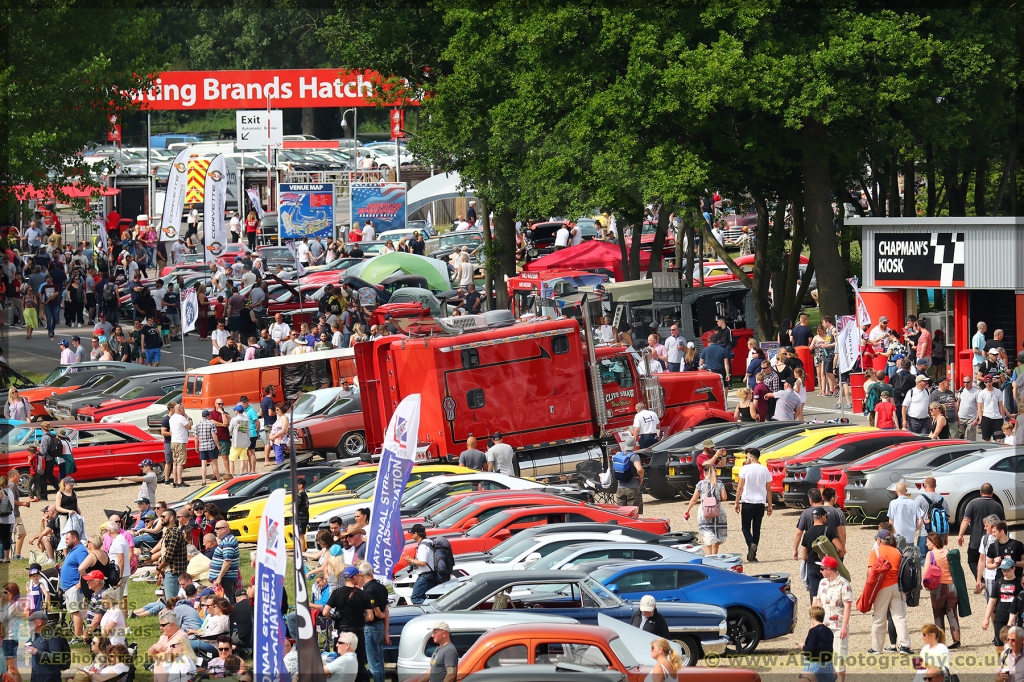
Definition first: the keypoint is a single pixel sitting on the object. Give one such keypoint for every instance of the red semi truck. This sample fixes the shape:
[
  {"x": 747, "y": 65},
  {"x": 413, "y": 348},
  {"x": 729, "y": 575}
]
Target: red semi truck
[{"x": 554, "y": 396}]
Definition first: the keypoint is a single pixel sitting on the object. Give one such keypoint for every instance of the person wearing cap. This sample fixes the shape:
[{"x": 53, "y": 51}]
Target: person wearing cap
[
  {"x": 355, "y": 553},
  {"x": 628, "y": 491},
  {"x": 48, "y": 649},
  {"x": 915, "y": 407},
  {"x": 708, "y": 452},
  {"x": 648, "y": 619},
  {"x": 239, "y": 430},
  {"x": 500, "y": 457},
  {"x": 375, "y": 630},
  {"x": 889, "y": 600},
  {"x": 426, "y": 577},
  {"x": 350, "y": 609},
  {"x": 444, "y": 664},
  {"x": 753, "y": 499},
  {"x": 991, "y": 409},
  {"x": 993, "y": 363},
  {"x": 820, "y": 528},
  {"x": 209, "y": 447},
  {"x": 947, "y": 399},
  {"x": 1006, "y": 602},
  {"x": 835, "y": 596},
  {"x": 147, "y": 491}
]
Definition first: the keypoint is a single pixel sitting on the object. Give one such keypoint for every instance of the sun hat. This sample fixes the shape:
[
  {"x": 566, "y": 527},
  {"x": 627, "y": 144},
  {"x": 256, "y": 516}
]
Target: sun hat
[{"x": 647, "y": 603}]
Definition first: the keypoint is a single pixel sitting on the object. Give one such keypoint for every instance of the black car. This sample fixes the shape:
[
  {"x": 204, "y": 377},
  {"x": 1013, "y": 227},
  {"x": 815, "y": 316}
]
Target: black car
[
  {"x": 540, "y": 238},
  {"x": 560, "y": 672},
  {"x": 843, "y": 449},
  {"x": 92, "y": 381},
  {"x": 127, "y": 388},
  {"x": 266, "y": 484}
]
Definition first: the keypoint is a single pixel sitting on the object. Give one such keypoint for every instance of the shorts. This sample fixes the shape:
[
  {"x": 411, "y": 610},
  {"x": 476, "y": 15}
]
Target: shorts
[
  {"x": 19, "y": 528},
  {"x": 830, "y": 363},
  {"x": 238, "y": 454},
  {"x": 840, "y": 650},
  {"x": 990, "y": 427},
  {"x": 225, "y": 447},
  {"x": 252, "y": 442},
  {"x": 168, "y": 455},
  {"x": 152, "y": 356},
  {"x": 234, "y": 322},
  {"x": 10, "y": 648},
  {"x": 74, "y": 600},
  {"x": 175, "y": 319},
  {"x": 179, "y": 452},
  {"x": 208, "y": 455}
]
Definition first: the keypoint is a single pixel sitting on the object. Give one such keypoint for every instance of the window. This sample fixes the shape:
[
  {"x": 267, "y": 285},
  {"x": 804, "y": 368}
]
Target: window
[
  {"x": 685, "y": 578},
  {"x": 470, "y": 358},
  {"x": 462, "y": 641},
  {"x": 510, "y": 655},
  {"x": 94, "y": 438},
  {"x": 1020, "y": 463},
  {"x": 134, "y": 393},
  {"x": 941, "y": 459},
  {"x": 170, "y": 388},
  {"x": 560, "y": 344},
  {"x": 554, "y": 653},
  {"x": 616, "y": 371},
  {"x": 475, "y": 398},
  {"x": 646, "y": 581},
  {"x": 1005, "y": 464}
]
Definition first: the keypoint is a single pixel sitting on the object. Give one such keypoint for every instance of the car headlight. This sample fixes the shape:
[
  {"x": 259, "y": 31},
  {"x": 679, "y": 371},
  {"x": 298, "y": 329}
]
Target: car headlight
[
  {"x": 723, "y": 628},
  {"x": 533, "y": 253},
  {"x": 236, "y": 515}
]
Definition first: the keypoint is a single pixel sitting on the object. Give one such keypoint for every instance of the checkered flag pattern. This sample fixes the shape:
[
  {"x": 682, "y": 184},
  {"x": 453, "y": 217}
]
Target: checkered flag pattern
[{"x": 948, "y": 248}]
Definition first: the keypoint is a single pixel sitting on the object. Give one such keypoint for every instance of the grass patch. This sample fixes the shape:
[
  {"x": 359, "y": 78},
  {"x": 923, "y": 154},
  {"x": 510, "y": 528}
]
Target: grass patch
[{"x": 34, "y": 377}]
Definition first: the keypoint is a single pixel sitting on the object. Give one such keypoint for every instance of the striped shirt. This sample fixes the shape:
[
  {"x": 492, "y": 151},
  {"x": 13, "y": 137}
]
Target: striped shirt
[
  {"x": 206, "y": 433},
  {"x": 227, "y": 551}
]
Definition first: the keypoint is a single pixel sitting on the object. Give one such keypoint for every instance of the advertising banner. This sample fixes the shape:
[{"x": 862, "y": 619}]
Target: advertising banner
[
  {"x": 848, "y": 344},
  {"x": 215, "y": 232},
  {"x": 863, "y": 316},
  {"x": 271, "y": 563},
  {"x": 305, "y": 210},
  {"x": 254, "y": 198},
  {"x": 174, "y": 198},
  {"x": 383, "y": 204},
  {"x": 189, "y": 310},
  {"x": 919, "y": 260},
  {"x": 197, "y": 169},
  {"x": 387, "y": 540}
]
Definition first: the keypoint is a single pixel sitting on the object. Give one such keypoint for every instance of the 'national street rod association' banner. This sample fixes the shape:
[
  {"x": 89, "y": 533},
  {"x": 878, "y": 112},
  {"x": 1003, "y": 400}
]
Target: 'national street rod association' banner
[
  {"x": 268, "y": 621},
  {"x": 387, "y": 539},
  {"x": 383, "y": 204},
  {"x": 305, "y": 210}
]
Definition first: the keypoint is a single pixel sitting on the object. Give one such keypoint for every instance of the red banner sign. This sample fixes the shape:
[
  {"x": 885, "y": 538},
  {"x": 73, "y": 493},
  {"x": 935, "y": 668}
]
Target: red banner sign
[
  {"x": 286, "y": 88},
  {"x": 397, "y": 123}
]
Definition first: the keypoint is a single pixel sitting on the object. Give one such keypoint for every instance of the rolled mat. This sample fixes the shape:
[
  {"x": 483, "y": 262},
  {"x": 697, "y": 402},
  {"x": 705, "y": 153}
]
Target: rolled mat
[
  {"x": 822, "y": 546},
  {"x": 956, "y": 571}
]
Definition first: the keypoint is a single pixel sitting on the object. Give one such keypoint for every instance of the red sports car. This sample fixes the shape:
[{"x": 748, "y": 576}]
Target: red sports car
[
  {"x": 96, "y": 413},
  {"x": 102, "y": 451}
]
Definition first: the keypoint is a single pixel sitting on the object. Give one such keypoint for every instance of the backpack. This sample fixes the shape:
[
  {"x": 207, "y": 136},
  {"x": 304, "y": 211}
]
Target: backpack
[
  {"x": 933, "y": 575},
  {"x": 265, "y": 348},
  {"x": 908, "y": 577},
  {"x": 54, "y": 449},
  {"x": 938, "y": 519},
  {"x": 623, "y": 467},
  {"x": 902, "y": 382},
  {"x": 60, "y": 651},
  {"x": 709, "y": 506},
  {"x": 444, "y": 558},
  {"x": 110, "y": 293},
  {"x": 6, "y": 506}
]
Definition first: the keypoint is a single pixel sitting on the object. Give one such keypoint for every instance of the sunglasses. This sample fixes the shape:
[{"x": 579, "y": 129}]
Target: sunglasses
[{"x": 223, "y": 648}]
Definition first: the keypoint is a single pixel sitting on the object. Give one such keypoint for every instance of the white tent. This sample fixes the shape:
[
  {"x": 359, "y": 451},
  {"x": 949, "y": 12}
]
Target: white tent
[{"x": 440, "y": 186}]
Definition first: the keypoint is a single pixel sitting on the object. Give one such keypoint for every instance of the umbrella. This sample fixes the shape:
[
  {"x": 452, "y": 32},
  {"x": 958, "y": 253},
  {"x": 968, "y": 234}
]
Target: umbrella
[{"x": 379, "y": 268}]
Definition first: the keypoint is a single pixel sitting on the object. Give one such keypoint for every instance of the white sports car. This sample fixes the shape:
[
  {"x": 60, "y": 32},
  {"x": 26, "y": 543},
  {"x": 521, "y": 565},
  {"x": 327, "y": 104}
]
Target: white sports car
[{"x": 960, "y": 481}]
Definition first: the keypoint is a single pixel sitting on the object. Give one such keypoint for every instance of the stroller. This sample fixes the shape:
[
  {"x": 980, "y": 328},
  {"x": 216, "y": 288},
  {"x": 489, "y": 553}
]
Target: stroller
[{"x": 57, "y": 616}]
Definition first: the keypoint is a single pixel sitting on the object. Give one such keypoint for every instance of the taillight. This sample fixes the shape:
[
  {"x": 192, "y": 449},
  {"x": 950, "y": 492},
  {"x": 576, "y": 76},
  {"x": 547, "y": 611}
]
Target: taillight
[
  {"x": 738, "y": 568},
  {"x": 918, "y": 485},
  {"x": 784, "y": 589}
]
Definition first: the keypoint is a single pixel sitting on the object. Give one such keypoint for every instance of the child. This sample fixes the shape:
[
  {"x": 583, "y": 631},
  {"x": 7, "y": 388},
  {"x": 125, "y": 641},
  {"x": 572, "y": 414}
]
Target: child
[
  {"x": 37, "y": 481},
  {"x": 1008, "y": 437},
  {"x": 818, "y": 647},
  {"x": 35, "y": 590},
  {"x": 885, "y": 412},
  {"x": 165, "y": 328}
]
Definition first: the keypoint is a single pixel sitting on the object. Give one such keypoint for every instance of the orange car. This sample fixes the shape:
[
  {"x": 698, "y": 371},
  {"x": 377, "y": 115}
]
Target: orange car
[{"x": 589, "y": 645}]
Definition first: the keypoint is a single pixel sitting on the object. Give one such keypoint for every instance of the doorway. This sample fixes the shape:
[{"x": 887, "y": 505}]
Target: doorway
[{"x": 998, "y": 309}]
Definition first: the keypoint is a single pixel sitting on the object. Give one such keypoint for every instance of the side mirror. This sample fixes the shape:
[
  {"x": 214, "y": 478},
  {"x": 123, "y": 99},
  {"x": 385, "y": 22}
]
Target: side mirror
[
  {"x": 531, "y": 558},
  {"x": 472, "y": 522},
  {"x": 503, "y": 534}
]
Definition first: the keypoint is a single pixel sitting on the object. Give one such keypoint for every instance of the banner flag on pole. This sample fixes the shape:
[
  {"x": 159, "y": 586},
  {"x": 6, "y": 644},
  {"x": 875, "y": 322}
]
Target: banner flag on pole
[
  {"x": 215, "y": 232},
  {"x": 848, "y": 345},
  {"x": 174, "y": 199},
  {"x": 299, "y": 268},
  {"x": 387, "y": 540},
  {"x": 268, "y": 621},
  {"x": 863, "y": 316},
  {"x": 254, "y": 197},
  {"x": 98, "y": 220},
  {"x": 189, "y": 310}
]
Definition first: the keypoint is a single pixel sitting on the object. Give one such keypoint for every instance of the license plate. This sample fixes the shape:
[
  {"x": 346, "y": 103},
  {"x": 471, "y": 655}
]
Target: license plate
[
  {"x": 671, "y": 471},
  {"x": 786, "y": 487}
]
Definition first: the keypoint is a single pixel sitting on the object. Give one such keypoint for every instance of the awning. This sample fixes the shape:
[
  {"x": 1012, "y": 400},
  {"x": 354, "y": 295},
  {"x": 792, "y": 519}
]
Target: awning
[
  {"x": 440, "y": 186},
  {"x": 26, "y": 192}
]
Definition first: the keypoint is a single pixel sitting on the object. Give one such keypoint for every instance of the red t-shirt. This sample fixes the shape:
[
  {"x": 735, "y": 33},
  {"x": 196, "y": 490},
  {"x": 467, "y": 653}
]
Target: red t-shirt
[
  {"x": 884, "y": 415},
  {"x": 760, "y": 391},
  {"x": 250, "y": 224}
]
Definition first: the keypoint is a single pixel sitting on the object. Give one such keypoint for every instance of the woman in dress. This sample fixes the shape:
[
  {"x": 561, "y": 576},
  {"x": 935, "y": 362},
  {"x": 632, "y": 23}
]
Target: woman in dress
[
  {"x": 713, "y": 529},
  {"x": 389, "y": 247},
  {"x": 204, "y": 311},
  {"x": 818, "y": 351},
  {"x": 944, "y": 598},
  {"x": 30, "y": 311},
  {"x": 666, "y": 662},
  {"x": 113, "y": 623},
  {"x": 800, "y": 387},
  {"x": 745, "y": 411},
  {"x": 17, "y": 407}
]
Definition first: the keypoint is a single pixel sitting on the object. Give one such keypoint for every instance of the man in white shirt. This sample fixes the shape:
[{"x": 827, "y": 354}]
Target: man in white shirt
[
  {"x": 234, "y": 227},
  {"x": 978, "y": 346},
  {"x": 915, "y": 407},
  {"x": 302, "y": 252},
  {"x": 905, "y": 515},
  {"x": 279, "y": 329},
  {"x": 177, "y": 251},
  {"x": 179, "y": 444},
  {"x": 34, "y": 237},
  {"x": 500, "y": 457},
  {"x": 345, "y": 667},
  {"x": 990, "y": 409},
  {"x": 562, "y": 238},
  {"x": 753, "y": 497},
  {"x": 121, "y": 554},
  {"x": 218, "y": 338},
  {"x": 158, "y": 294},
  {"x": 967, "y": 410},
  {"x": 880, "y": 332},
  {"x": 645, "y": 426},
  {"x": 369, "y": 233},
  {"x": 675, "y": 349},
  {"x": 658, "y": 351},
  {"x": 423, "y": 563},
  {"x": 192, "y": 220},
  {"x": 577, "y": 235}
]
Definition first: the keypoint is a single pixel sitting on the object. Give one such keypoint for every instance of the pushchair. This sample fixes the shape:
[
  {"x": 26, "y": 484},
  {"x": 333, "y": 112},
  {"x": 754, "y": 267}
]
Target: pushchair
[{"x": 57, "y": 616}]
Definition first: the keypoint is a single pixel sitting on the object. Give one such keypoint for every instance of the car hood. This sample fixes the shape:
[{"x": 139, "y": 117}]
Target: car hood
[
  {"x": 636, "y": 640},
  {"x": 704, "y": 613}
]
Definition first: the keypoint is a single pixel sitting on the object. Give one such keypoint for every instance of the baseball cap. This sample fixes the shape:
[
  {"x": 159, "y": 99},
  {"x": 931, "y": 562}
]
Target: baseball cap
[
  {"x": 628, "y": 442},
  {"x": 829, "y": 562},
  {"x": 350, "y": 571},
  {"x": 206, "y": 592},
  {"x": 1006, "y": 564},
  {"x": 239, "y": 408},
  {"x": 922, "y": 377},
  {"x": 993, "y": 351},
  {"x": 689, "y": 344},
  {"x": 206, "y": 413},
  {"x": 883, "y": 318},
  {"x": 819, "y": 512},
  {"x": 883, "y": 533},
  {"x": 95, "y": 575},
  {"x": 647, "y": 603},
  {"x": 38, "y": 615},
  {"x": 142, "y": 500},
  {"x": 336, "y": 550},
  {"x": 418, "y": 529},
  {"x": 496, "y": 436},
  {"x": 146, "y": 463},
  {"x": 34, "y": 569},
  {"x": 441, "y": 625},
  {"x": 922, "y": 361}
]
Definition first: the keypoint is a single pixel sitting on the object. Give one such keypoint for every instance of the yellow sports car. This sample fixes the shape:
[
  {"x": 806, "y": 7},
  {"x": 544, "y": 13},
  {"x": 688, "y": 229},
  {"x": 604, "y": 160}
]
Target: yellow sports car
[
  {"x": 244, "y": 518},
  {"x": 796, "y": 443}
]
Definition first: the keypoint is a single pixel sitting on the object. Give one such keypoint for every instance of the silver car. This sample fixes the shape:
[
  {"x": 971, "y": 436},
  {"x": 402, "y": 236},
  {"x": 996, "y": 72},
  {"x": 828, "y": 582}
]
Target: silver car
[
  {"x": 568, "y": 558},
  {"x": 960, "y": 482}
]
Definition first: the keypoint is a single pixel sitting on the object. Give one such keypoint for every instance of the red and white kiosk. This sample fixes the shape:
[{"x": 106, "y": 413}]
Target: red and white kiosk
[{"x": 953, "y": 272}]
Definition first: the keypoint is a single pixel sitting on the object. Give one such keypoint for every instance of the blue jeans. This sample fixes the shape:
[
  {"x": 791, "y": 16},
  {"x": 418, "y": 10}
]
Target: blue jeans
[
  {"x": 204, "y": 647},
  {"x": 922, "y": 545},
  {"x": 171, "y": 586},
  {"x": 374, "y": 634},
  {"x": 151, "y": 255},
  {"x": 154, "y": 607},
  {"x": 52, "y": 315},
  {"x": 425, "y": 581},
  {"x": 674, "y": 366}
]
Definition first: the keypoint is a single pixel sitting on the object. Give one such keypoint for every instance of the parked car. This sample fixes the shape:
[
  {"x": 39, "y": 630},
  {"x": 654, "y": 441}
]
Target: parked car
[
  {"x": 216, "y": 488},
  {"x": 146, "y": 384},
  {"x": 540, "y": 238},
  {"x": 115, "y": 408},
  {"x": 836, "y": 477},
  {"x": 798, "y": 442},
  {"x": 67, "y": 378},
  {"x": 794, "y": 477},
  {"x": 562, "y": 672},
  {"x": 867, "y": 492},
  {"x": 960, "y": 481},
  {"x": 573, "y": 556},
  {"x": 264, "y": 485},
  {"x": 272, "y": 256},
  {"x": 758, "y": 607},
  {"x": 444, "y": 245},
  {"x": 699, "y": 629},
  {"x": 138, "y": 416},
  {"x": 335, "y": 429}
]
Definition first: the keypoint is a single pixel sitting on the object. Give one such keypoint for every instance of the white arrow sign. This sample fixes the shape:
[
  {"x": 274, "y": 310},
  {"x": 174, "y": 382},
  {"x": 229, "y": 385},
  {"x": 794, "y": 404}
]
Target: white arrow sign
[{"x": 251, "y": 129}]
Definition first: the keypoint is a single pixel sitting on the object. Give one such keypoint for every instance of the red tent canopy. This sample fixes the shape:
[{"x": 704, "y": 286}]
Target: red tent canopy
[
  {"x": 587, "y": 256},
  {"x": 25, "y": 192}
]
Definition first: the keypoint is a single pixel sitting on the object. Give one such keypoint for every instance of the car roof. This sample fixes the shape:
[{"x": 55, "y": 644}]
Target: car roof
[
  {"x": 491, "y": 619},
  {"x": 966, "y": 447},
  {"x": 540, "y": 629}
]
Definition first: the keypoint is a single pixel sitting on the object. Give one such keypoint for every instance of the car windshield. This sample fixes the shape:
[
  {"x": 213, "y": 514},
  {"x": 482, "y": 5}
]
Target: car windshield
[
  {"x": 327, "y": 481},
  {"x": 459, "y": 238},
  {"x": 447, "y": 601},
  {"x": 21, "y": 436},
  {"x": 420, "y": 493},
  {"x": 833, "y": 456},
  {"x": 53, "y": 376},
  {"x": 452, "y": 510},
  {"x": 481, "y": 530},
  {"x": 309, "y": 404},
  {"x": 605, "y": 598},
  {"x": 622, "y": 651},
  {"x": 253, "y": 485},
  {"x": 508, "y": 550},
  {"x": 693, "y": 438}
]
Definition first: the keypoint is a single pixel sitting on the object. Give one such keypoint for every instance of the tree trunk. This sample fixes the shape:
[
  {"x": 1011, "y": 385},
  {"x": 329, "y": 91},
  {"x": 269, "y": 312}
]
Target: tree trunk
[
  {"x": 930, "y": 178},
  {"x": 819, "y": 220},
  {"x": 788, "y": 303},
  {"x": 909, "y": 190},
  {"x": 621, "y": 237},
  {"x": 956, "y": 191},
  {"x": 637, "y": 220},
  {"x": 980, "y": 188},
  {"x": 844, "y": 238},
  {"x": 872, "y": 206},
  {"x": 894, "y": 188},
  {"x": 724, "y": 255},
  {"x": 762, "y": 275},
  {"x": 308, "y": 121},
  {"x": 505, "y": 251},
  {"x": 691, "y": 247},
  {"x": 777, "y": 259},
  {"x": 659, "y": 239},
  {"x": 485, "y": 223},
  {"x": 1009, "y": 172}
]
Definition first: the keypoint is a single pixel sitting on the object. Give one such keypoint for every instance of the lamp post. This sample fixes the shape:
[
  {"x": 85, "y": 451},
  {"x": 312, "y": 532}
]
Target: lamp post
[{"x": 355, "y": 132}]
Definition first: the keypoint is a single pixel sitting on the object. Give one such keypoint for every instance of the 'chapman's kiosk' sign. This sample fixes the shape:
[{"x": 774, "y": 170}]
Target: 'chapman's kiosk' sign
[{"x": 920, "y": 260}]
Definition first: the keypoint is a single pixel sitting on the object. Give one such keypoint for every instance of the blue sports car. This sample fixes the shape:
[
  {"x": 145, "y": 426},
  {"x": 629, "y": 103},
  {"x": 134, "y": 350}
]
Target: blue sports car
[{"x": 757, "y": 607}]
